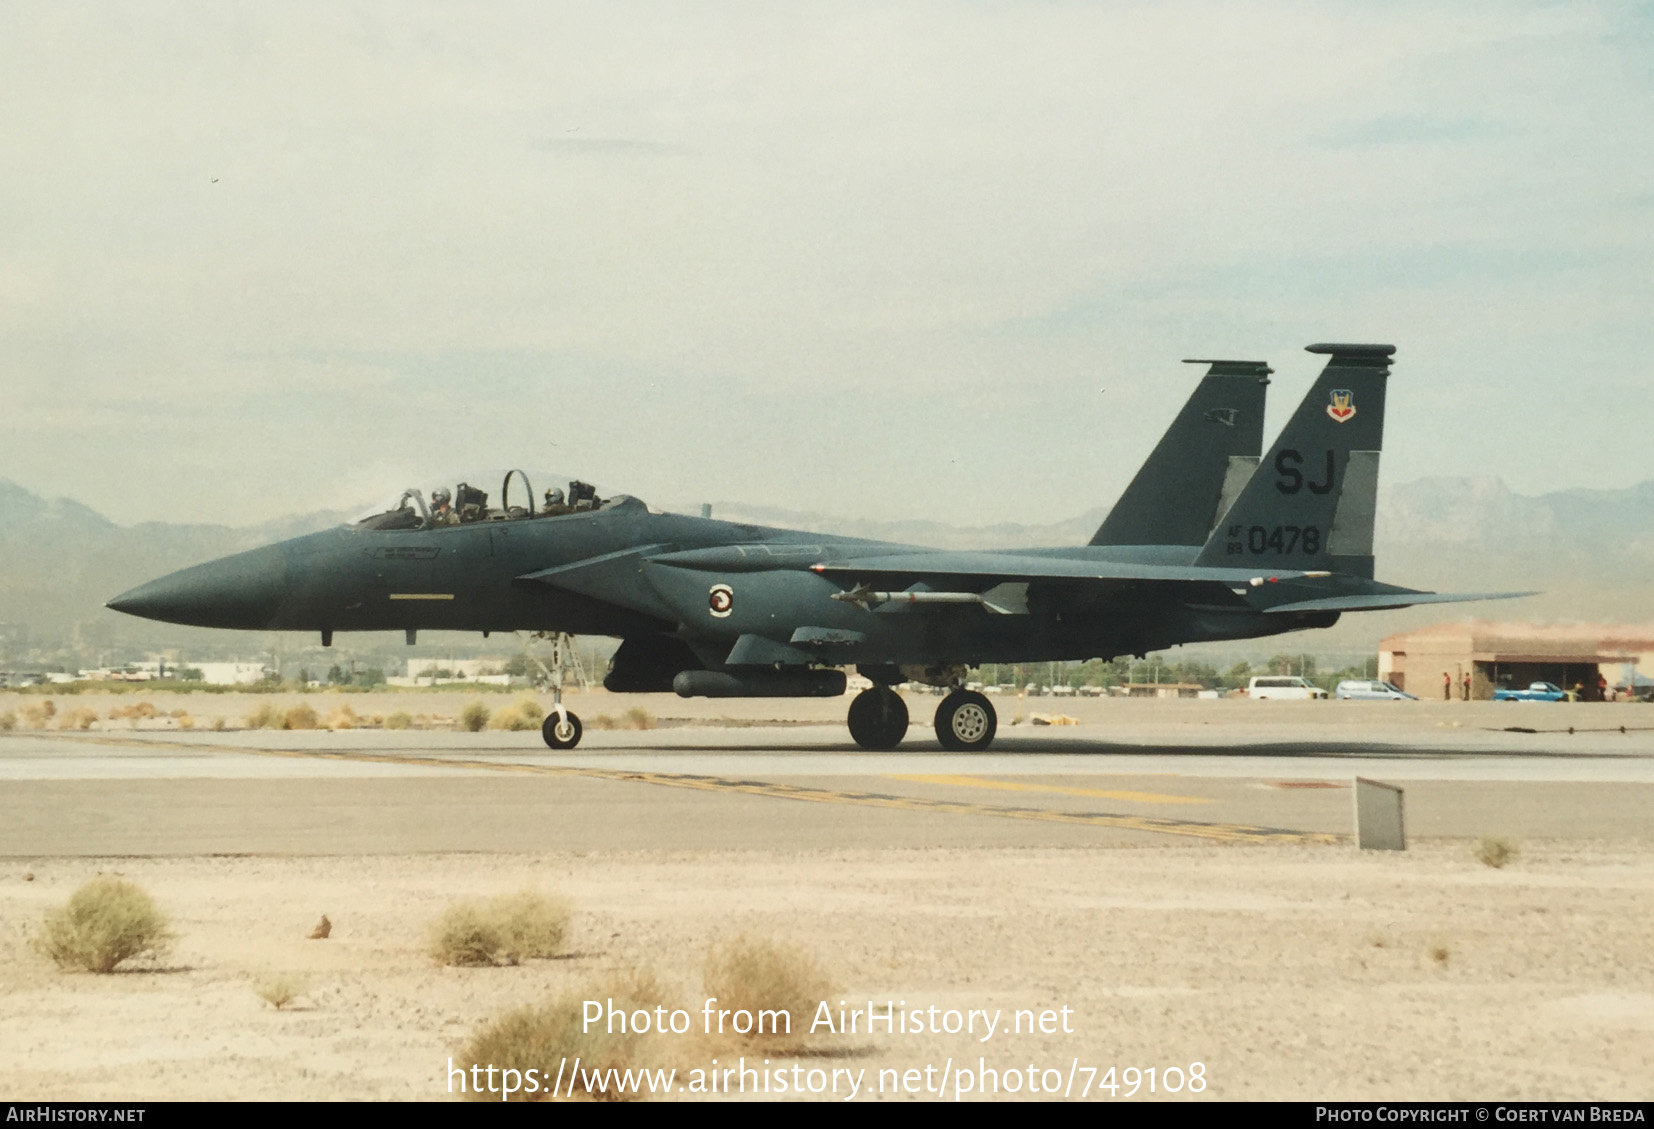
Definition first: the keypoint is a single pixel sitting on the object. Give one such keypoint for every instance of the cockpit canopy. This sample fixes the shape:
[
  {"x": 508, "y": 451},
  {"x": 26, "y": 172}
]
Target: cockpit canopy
[{"x": 468, "y": 504}]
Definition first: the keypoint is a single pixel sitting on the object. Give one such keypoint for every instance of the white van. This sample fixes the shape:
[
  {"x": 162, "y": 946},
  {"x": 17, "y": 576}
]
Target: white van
[{"x": 1283, "y": 686}]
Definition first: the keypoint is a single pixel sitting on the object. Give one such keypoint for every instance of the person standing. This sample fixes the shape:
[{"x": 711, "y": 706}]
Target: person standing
[
  {"x": 1467, "y": 686},
  {"x": 1447, "y": 686}
]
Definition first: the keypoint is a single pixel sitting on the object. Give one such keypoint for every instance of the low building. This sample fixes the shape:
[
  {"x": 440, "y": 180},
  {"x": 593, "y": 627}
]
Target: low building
[
  {"x": 455, "y": 670},
  {"x": 1427, "y": 660},
  {"x": 229, "y": 674}
]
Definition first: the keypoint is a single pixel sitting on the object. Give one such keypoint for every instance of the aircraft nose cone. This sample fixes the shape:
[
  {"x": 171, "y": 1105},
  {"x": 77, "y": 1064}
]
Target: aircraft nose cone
[{"x": 244, "y": 591}]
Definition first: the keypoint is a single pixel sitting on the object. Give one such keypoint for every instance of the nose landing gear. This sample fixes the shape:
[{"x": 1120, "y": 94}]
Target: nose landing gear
[
  {"x": 561, "y": 729},
  {"x": 878, "y": 719},
  {"x": 965, "y": 722}
]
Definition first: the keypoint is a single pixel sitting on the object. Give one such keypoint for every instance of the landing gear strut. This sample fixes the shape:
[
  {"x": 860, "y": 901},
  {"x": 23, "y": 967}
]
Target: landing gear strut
[
  {"x": 878, "y": 719},
  {"x": 965, "y": 722},
  {"x": 561, "y": 728}
]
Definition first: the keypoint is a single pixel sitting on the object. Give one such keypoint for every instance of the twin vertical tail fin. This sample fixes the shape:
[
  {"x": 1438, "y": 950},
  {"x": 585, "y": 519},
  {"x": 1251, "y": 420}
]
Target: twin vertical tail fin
[
  {"x": 1311, "y": 504},
  {"x": 1200, "y": 464}
]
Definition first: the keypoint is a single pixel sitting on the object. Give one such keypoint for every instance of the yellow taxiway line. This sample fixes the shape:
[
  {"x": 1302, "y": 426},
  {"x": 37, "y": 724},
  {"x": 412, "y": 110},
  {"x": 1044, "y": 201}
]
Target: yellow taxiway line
[{"x": 1090, "y": 793}]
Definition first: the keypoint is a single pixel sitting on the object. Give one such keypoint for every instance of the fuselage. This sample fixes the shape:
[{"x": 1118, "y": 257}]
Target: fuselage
[{"x": 600, "y": 573}]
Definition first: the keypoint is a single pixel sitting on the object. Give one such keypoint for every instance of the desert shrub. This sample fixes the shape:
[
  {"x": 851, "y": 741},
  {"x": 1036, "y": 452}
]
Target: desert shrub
[
  {"x": 1496, "y": 852},
  {"x": 105, "y": 922},
  {"x": 473, "y": 717},
  {"x": 504, "y": 930},
  {"x": 1441, "y": 954},
  {"x": 136, "y": 711},
  {"x": 218, "y": 724},
  {"x": 35, "y": 714},
  {"x": 281, "y": 988},
  {"x": 185, "y": 721},
  {"x": 8, "y": 720},
  {"x": 601, "y": 721},
  {"x": 531, "y": 1037},
  {"x": 639, "y": 718},
  {"x": 300, "y": 716},
  {"x": 343, "y": 717},
  {"x": 179, "y": 713},
  {"x": 266, "y": 716},
  {"x": 760, "y": 976},
  {"x": 398, "y": 720},
  {"x": 77, "y": 719},
  {"x": 524, "y": 714}
]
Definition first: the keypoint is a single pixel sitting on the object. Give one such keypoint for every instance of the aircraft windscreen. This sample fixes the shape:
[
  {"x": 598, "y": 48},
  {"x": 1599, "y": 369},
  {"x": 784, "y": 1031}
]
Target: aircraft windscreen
[{"x": 465, "y": 504}]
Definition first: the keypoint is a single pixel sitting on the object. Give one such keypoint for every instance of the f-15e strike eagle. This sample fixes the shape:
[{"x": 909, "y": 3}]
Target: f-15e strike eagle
[{"x": 1208, "y": 542}]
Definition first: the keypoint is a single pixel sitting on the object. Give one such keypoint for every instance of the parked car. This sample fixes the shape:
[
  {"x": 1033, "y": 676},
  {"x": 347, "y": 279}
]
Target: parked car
[
  {"x": 1367, "y": 690},
  {"x": 1283, "y": 686},
  {"x": 1536, "y": 692}
]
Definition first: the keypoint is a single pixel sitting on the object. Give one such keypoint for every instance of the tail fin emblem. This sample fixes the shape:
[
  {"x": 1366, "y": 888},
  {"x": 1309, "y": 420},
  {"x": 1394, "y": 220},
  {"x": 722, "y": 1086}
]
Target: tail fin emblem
[{"x": 1342, "y": 408}]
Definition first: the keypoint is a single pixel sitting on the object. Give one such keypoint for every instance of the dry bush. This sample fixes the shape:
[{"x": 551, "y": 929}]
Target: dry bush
[
  {"x": 639, "y": 718},
  {"x": 473, "y": 717},
  {"x": 323, "y": 930},
  {"x": 524, "y": 714},
  {"x": 78, "y": 719},
  {"x": 755, "y": 975},
  {"x": 218, "y": 724},
  {"x": 504, "y": 930},
  {"x": 180, "y": 713},
  {"x": 1496, "y": 852},
  {"x": 300, "y": 716},
  {"x": 185, "y": 721},
  {"x": 106, "y": 921},
  {"x": 1441, "y": 954},
  {"x": 267, "y": 716},
  {"x": 35, "y": 714},
  {"x": 281, "y": 988},
  {"x": 137, "y": 711},
  {"x": 601, "y": 721},
  {"x": 398, "y": 720},
  {"x": 8, "y": 720},
  {"x": 535, "y": 1038},
  {"x": 343, "y": 717}
]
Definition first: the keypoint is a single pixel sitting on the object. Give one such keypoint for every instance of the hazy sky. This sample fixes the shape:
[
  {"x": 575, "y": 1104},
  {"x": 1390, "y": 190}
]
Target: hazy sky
[{"x": 912, "y": 260}]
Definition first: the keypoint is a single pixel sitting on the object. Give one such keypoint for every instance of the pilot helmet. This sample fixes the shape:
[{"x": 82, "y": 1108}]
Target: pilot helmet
[
  {"x": 440, "y": 496},
  {"x": 554, "y": 497}
]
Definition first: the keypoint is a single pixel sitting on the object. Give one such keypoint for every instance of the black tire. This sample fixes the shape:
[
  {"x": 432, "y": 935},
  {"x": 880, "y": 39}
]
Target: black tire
[
  {"x": 878, "y": 719},
  {"x": 965, "y": 722},
  {"x": 566, "y": 740}
]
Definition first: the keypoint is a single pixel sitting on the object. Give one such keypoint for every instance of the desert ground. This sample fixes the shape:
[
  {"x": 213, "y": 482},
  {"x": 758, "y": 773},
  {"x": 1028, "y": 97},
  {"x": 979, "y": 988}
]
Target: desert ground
[{"x": 1178, "y": 874}]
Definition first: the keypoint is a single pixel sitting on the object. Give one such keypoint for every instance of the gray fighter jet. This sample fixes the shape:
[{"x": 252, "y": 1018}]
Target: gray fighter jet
[{"x": 1207, "y": 543}]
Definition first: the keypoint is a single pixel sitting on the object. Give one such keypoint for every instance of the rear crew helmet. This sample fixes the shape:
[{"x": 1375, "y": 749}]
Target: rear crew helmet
[{"x": 440, "y": 496}]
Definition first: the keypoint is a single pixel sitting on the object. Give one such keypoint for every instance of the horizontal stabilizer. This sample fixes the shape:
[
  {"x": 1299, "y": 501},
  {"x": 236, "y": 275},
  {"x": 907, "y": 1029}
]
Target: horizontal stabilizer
[{"x": 1383, "y": 601}]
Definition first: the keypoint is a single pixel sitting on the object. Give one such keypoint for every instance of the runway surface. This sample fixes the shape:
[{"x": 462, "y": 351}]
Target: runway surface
[{"x": 1280, "y": 778}]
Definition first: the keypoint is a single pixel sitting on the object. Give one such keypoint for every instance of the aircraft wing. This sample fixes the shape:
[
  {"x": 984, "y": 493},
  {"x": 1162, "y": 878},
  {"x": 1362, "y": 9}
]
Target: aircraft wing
[
  {"x": 990, "y": 568},
  {"x": 1296, "y": 592}
]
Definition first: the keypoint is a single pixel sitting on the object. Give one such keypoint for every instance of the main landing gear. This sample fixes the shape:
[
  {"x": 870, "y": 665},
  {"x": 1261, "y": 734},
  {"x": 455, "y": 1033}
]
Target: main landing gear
[
  {"x": 878, "y": 719},
  {"x": 965, "y": 721}
]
